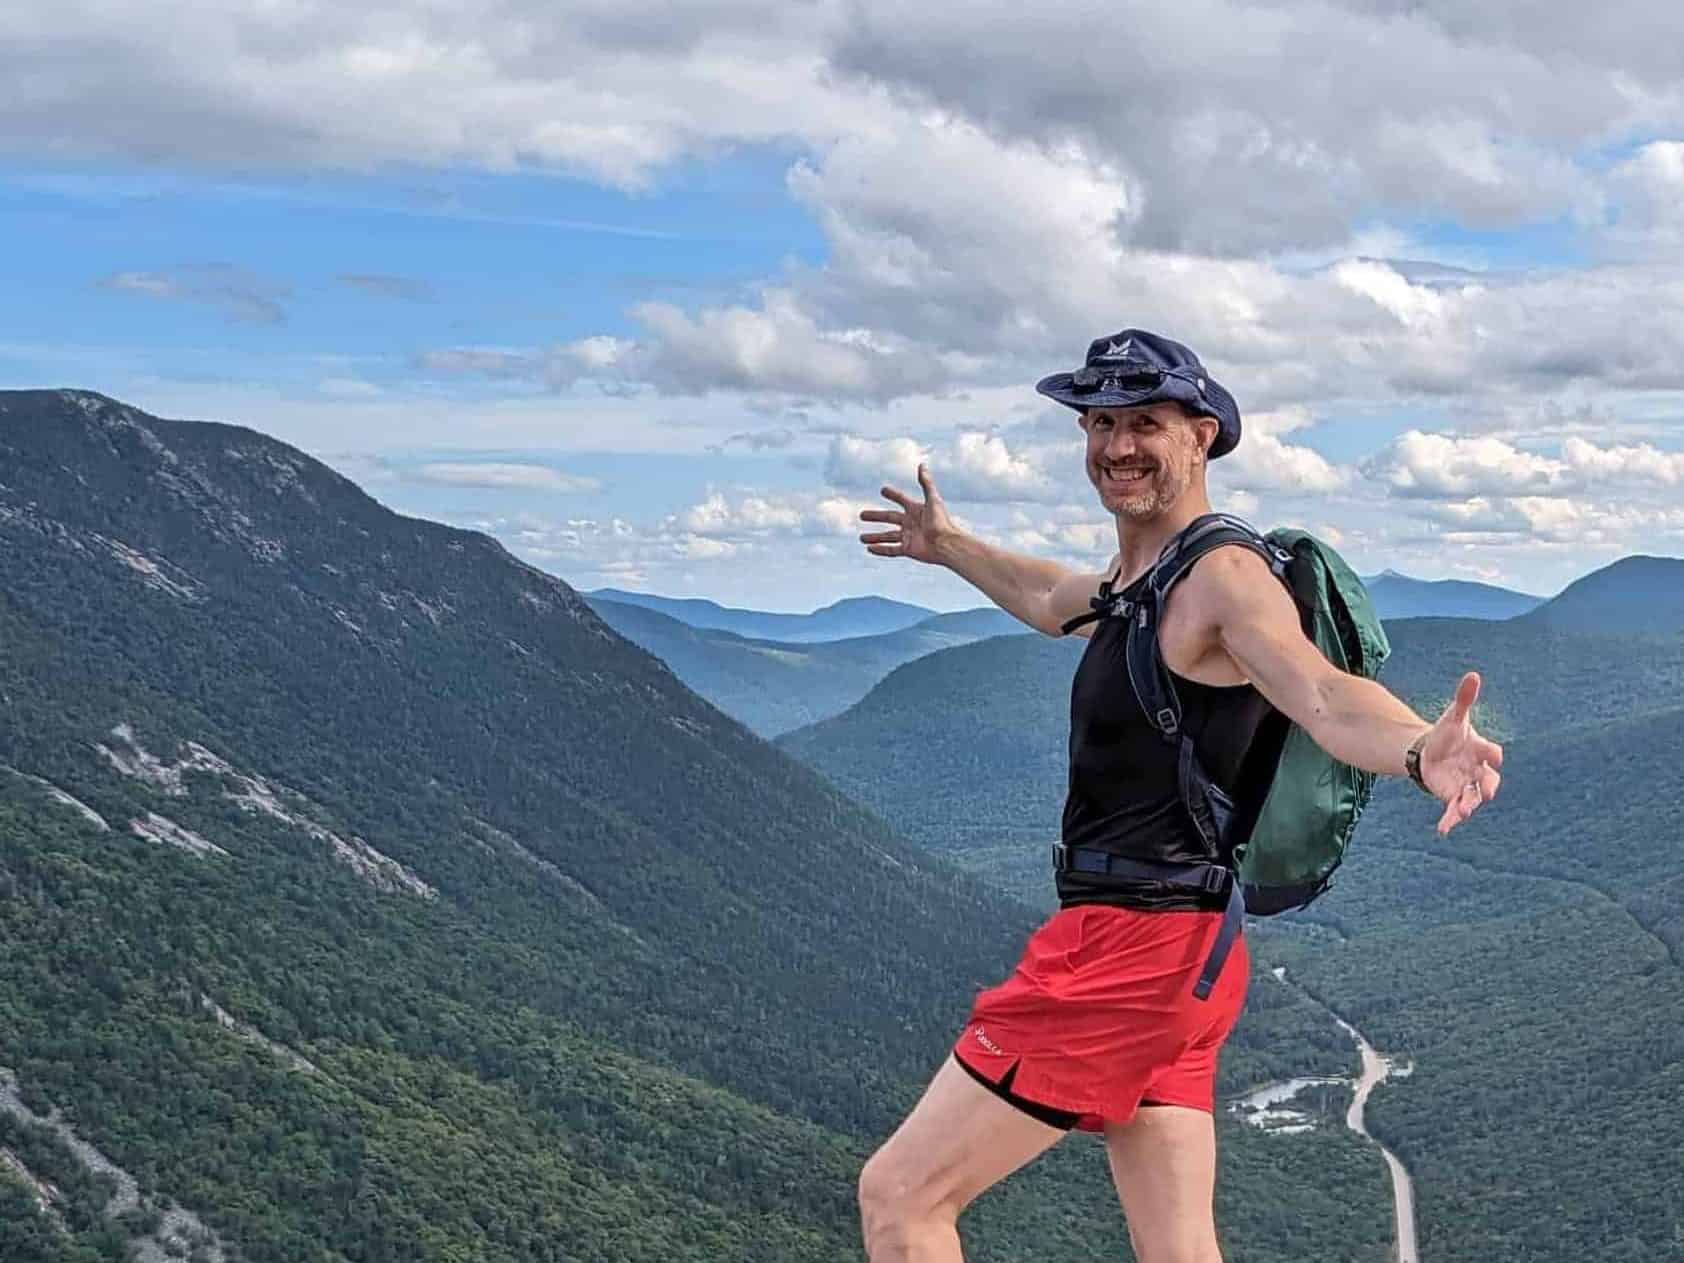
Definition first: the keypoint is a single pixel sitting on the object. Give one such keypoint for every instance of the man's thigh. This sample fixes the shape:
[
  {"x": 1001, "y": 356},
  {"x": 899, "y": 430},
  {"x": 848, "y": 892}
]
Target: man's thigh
[
  {"x": 958, "y": 1141},
  {"x": 1164, "y": 1164}
]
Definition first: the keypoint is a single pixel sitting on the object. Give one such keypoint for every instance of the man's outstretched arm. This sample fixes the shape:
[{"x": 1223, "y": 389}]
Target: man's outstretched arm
[
  {"x": 1040, "y": 593},
  {"x": 1356, "y": 720}
]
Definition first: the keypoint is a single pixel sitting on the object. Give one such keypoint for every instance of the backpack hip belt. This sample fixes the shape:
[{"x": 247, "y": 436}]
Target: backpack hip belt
[{"x": 1211, "y": 878}]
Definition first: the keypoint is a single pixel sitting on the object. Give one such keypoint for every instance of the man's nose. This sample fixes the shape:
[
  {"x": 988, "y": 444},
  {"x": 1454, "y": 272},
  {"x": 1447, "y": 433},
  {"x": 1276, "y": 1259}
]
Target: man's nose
[{"x": 1121, "y": 445}]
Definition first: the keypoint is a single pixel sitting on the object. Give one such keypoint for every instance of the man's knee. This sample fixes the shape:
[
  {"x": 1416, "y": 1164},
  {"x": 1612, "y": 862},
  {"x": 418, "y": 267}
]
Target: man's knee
[{"x": 896, "y": 1202}]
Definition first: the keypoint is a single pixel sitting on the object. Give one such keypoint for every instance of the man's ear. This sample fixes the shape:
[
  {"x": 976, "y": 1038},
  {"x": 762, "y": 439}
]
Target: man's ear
[{"x": 1205, "y": 429}]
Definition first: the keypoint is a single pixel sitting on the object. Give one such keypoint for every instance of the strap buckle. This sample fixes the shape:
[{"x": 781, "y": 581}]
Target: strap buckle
[
  {"x": 1216, "y": 880},
  {"x": 1060, "y": 857}
]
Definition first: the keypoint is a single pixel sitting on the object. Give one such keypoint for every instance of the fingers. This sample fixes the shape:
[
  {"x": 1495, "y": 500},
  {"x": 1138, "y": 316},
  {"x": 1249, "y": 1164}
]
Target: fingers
[
  {"x": 1459, "y": 808},
  {"x": 1489, "y": 782},
  {"x": 926, "y": 481},
  {"x": 1473, "y": 794},
  {"x": 1467, "y": 693},
  {"x": 898, "y": 496}
]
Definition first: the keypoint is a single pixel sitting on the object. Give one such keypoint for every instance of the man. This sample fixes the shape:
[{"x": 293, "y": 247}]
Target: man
[{"x": 1098, "y": 1027}]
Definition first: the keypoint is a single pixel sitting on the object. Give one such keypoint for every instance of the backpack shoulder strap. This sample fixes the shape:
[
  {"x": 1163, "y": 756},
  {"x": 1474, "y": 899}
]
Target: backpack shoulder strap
[{"x": 1147, "y": 672}]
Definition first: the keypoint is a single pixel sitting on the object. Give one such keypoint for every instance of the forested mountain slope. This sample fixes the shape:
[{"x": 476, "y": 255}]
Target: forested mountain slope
[
  {"x": 1635, "y": 594},
  {"x": 584, "y": 967}
]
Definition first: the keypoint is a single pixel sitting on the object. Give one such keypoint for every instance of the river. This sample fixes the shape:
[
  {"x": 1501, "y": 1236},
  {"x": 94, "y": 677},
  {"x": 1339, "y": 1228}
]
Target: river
[{"x": 1266, "y": 1108}]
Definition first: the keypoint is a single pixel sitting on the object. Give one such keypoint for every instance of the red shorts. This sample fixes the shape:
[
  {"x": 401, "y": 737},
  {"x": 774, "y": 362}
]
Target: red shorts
[{"x": 1100, "y": 1016}]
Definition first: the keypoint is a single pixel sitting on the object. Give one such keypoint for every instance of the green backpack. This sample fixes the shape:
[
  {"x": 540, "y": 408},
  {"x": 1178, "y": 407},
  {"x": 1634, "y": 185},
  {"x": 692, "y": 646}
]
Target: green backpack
[{"x": 1299, "y": 836}]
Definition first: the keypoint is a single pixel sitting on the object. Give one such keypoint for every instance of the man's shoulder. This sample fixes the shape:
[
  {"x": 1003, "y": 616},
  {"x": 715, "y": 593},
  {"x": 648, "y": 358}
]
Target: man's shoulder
[{"x": 1229, "y": 577}]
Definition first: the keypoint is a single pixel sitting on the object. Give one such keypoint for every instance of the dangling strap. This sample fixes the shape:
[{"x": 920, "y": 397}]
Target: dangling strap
[{"x": 1103, "y": 606}]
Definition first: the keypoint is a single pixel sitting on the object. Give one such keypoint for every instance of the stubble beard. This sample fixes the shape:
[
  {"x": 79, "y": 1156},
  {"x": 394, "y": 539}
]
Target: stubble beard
[{"x": 1159, "y": 493}]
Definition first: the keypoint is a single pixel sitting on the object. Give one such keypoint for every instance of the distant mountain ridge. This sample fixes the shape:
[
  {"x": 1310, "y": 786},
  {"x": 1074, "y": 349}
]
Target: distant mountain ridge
[
  {"x": 1400, "y": 596},
  {"x": 773, "y": 686},
  {"x": 840, "y": 620},
  {"x": 1641, "y": 595}
]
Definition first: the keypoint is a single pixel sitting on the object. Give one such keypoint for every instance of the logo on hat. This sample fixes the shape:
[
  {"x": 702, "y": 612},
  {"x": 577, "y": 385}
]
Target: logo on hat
[{"x": 1120, "y": 348}]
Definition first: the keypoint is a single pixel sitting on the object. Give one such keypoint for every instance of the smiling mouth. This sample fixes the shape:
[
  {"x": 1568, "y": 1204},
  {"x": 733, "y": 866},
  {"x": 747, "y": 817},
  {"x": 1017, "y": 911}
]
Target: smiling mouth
[{"x": 1126, "y": 475}]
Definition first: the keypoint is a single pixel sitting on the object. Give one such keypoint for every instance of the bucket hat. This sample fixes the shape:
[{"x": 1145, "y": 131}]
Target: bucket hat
[{"x": 1135, "y": 367}]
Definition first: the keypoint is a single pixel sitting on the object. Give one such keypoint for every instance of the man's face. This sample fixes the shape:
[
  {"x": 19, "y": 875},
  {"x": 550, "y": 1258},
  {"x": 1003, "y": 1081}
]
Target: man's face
[{"x": 1142, "y": 459}]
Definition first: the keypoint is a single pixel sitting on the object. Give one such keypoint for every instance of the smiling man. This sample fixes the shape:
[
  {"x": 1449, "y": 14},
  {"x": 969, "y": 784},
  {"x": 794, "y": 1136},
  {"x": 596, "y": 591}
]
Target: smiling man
[{"x": 1109, "y": 1023}]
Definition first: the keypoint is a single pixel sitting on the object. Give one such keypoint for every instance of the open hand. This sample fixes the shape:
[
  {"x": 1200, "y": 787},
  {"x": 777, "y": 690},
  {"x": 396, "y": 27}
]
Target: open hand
[
  {"x": 919, "y": 528},
  {"x": 1459, "y": 765}
]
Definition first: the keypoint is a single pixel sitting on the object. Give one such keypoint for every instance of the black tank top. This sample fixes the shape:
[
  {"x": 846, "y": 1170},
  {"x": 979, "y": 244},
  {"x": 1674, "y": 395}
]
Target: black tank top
[{"x": 1124, "y": 794}]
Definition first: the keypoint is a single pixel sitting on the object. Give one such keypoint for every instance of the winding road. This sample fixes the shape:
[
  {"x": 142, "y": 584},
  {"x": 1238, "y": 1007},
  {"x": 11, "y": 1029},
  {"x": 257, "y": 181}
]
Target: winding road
[{"x": 1374, "y": 1069}]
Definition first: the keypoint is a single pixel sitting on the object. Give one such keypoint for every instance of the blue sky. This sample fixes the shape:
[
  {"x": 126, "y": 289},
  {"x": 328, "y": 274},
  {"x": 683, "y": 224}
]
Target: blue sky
[{"x": 662, "y": 307}]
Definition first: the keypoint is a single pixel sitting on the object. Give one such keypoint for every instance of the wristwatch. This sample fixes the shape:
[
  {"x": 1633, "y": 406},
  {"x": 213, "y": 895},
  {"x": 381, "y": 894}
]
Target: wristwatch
[{"x": 1412, "y": 761}]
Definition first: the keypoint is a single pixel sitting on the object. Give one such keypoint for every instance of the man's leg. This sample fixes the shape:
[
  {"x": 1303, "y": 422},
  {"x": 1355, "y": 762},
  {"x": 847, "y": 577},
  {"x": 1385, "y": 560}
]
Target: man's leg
[
  {"x": 1164, "y": 1163},
  {"x": 959, "y": 1140}
]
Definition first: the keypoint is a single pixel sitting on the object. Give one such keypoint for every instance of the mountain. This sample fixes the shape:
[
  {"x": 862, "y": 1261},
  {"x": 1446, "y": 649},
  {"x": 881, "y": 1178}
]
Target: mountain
[
  {"x": 967, "y": 747},
  {"x": 365, "y": 896},
  {"x": 1398, "y": 596},
  {"x": 773, "y": 686},
  {"x": 1528, "y": 966},
  {"x": 1635, "y": 594},
  {"x": 851, "y": 616}
]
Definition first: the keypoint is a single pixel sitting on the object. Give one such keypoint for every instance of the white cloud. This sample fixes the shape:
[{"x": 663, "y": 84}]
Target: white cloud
[
  {"x": 969, "y": 465},
  {"x": 507, "y": 476},
  {"x": 866, "y": 464},
  {"x": 1637, "y": 464},
  {"x": 1441, "y": 466},
  {"x": 1264, "y": 462}
]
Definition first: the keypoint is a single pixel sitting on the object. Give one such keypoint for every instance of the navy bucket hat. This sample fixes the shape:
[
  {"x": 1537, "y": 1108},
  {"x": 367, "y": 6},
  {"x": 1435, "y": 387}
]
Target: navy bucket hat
[{"x": 1135, "y": 367}]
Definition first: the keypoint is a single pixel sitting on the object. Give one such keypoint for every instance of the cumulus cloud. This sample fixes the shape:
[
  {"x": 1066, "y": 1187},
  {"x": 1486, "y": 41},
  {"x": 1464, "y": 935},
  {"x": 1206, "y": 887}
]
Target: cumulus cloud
[
  {"x": 1441, "y": 466},
  {"x": 1260, "y": 127},
  {"x": 970, "y": 465},
  {"x": 1264, "y": 461},
  {"x": 754, "y": 521}
]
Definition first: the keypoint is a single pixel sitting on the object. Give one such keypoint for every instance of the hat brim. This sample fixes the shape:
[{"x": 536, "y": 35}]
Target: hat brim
[{"x": 1060, "y": 387}]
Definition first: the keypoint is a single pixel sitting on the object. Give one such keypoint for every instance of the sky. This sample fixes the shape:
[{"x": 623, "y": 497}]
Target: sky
[{"x": 661, "y": 296}]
